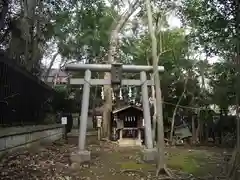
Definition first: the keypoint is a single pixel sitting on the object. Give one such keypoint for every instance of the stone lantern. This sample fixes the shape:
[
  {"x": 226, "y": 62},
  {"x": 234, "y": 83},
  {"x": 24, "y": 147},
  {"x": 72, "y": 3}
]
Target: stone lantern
[{"x": 99, "y": 125}]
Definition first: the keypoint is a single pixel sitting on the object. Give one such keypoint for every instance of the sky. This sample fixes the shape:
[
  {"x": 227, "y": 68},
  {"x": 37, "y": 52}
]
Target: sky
[{"x": 174, "y": 22}]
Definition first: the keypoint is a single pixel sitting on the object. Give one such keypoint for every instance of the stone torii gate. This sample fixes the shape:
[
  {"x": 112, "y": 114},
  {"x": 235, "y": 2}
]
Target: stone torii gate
[{"x": 116, "y": 73}]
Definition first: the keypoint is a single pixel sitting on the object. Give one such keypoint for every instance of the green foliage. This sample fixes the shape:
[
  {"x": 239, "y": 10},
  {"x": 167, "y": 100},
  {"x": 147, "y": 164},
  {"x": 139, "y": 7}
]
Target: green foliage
[
  {"x": 176, "y": 61},
  {"x": 61, "y": 101},
  {"x": 225, "y": 84},
  {"x": 215, "y": 29},
  {"x": 213, "y": 25},
  {"x": 24, "y": 35},
  {"x": 82, "y": 33}
]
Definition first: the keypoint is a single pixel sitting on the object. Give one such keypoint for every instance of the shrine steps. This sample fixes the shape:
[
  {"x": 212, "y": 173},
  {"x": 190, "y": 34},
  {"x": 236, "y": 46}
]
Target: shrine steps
[{"x": 129, "y": 142}]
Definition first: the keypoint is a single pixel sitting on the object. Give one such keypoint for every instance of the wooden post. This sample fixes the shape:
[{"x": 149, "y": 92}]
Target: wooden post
[
  {"x": 99, "y": 133},
  {"x": 139, "y": 134},
  {"x": 120, "y": 134},
  {"x": 64, "y": 122},
  {"x": 146, "y": 111},
  {"x": 193, "y": 131}
]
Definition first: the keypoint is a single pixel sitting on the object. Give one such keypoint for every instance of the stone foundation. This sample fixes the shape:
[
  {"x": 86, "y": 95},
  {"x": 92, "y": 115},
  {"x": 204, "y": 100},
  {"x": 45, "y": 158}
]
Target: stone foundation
[{"x": 80, "y": 157}]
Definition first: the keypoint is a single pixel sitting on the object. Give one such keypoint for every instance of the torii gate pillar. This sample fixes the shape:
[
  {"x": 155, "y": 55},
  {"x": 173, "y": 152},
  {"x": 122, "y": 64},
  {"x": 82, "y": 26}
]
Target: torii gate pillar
[{"x": 82, "y": 154}]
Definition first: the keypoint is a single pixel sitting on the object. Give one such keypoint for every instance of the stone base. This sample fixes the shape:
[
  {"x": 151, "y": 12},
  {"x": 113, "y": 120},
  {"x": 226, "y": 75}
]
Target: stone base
[
  {"x": 149, "y": 155},
  {"x": 128, "y": 142},
  {"x": 138, "y": 142},
  {"x": 80, "y": 157}
]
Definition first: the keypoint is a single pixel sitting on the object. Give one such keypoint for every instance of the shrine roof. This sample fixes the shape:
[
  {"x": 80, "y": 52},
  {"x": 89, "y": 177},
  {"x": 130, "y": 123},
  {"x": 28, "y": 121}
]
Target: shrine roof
[{"x": 119, "y": 109}]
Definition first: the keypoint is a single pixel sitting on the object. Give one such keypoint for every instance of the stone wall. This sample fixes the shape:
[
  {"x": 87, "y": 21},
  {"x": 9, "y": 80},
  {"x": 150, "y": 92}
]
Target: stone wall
[
  {"x": 75, "y": 122},
  {"x": 18, "y": 137}
]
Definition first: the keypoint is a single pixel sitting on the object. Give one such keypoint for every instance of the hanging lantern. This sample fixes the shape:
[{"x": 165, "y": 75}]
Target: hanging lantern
[
  {"x": 102, "y": 93},
  {"x": 134, "y": 95},
  {"x": 120, "y": 94},
  {"x": 113, "y": 96},
  {"x": 130, "y": 92},
  {"x": 134, "y": 101}
]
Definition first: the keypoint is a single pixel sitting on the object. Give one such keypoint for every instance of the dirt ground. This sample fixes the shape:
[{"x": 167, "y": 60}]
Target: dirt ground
[{"x": 109, "y": 162}]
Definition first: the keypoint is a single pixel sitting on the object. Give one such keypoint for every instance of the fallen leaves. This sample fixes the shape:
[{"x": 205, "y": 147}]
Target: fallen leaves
[{"x": 51, "y": 162}]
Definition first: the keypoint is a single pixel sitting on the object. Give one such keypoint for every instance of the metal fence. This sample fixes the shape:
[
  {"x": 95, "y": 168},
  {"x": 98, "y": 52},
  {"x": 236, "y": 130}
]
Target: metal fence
[{"x": 22, "y": 95}]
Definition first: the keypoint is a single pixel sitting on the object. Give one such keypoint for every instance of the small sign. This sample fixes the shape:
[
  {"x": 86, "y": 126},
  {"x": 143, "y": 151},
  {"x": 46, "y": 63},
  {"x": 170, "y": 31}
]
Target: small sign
[
  {"x": 64, "y": 120},
  {"x": 99, "y": 121}
]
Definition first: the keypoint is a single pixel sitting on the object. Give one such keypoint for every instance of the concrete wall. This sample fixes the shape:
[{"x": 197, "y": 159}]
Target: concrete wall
[
  {"x": 89, "y": 123},
  {"x": 18, "y": 137},
  {"x": 75, "y": 132}
]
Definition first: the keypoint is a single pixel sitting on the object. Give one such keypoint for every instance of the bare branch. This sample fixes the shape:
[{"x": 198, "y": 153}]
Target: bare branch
[
  {"x": 163, "y": 52},
  {"x": 50, "y": 67}
]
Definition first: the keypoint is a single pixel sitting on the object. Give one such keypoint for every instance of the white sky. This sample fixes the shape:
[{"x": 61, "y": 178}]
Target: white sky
[{"x": 174, "y": 22}]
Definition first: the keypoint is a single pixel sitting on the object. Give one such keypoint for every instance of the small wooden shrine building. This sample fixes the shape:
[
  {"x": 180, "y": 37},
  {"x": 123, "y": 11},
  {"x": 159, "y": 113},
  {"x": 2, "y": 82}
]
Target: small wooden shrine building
[{"x": 128, "y": 125}]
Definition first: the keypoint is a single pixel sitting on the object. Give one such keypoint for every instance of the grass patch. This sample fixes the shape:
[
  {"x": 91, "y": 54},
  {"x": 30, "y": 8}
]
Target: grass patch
[
  {"x": 189, "y": 162},
  {"x": 116, "y": 156},
  {"x": 135, "y": 166}
]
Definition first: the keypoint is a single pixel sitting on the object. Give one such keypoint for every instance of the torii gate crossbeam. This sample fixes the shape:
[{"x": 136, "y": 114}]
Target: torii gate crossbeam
[{"x": 107, "y": 68}]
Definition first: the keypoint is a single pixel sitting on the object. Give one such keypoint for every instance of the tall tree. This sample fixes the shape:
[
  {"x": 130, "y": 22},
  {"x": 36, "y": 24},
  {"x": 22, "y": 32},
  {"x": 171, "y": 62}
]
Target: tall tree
[
  {"x": 113, "y": 57},
  {"x": 161, "y": 162}
]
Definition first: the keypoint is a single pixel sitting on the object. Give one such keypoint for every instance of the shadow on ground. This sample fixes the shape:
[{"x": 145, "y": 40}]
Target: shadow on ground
[{"x": 109, "y": 162}]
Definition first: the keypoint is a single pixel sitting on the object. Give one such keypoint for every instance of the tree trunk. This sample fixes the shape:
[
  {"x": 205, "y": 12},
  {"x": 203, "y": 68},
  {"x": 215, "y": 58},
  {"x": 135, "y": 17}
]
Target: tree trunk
[
  {"x": 176, "y": 108},
  {"x": 206, "y": 133},
  {"x": 94, "y": 107},
  {"x": 112, "y": 52},
  {"x": 154, "y": 115},
  {"x": 238, "y": 123},
  {"x": 57, "y": 74},
  {"x": 35, "y": 36},
  {"x": 107, "y": 108},
  {"x": 25, "y": 19},
  {"x": 233, "y": 172},
  {"x": 197, "y": 136},
  {"x": 160, "y": 144},
  {"x": 154, "y": 118},
  {"x": 29, "y": 19},
  {"x": 50, "y": 67},
  {"x": 193, "y": 130}
]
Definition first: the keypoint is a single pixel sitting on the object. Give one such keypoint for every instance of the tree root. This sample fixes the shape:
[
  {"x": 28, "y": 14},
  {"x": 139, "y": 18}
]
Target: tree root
[
  {"x": 165, "y": 171},
  {"x": 132, "y": 171},
  {"x": 165, "y": 178},
  {"x": 143, "y": 175},
  {"x": 234, "y": 165}
]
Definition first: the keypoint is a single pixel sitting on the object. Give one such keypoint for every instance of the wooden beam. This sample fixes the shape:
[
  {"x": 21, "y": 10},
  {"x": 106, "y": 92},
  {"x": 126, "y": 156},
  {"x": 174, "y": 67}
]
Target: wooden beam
[
  {"x": 107, "y": 68},
  {"x": 125, "y": 82}
]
